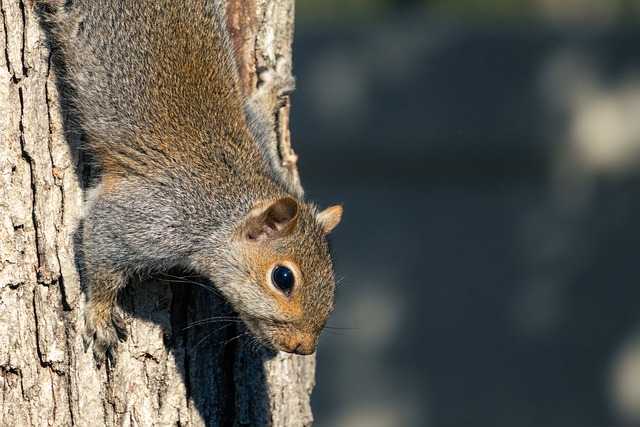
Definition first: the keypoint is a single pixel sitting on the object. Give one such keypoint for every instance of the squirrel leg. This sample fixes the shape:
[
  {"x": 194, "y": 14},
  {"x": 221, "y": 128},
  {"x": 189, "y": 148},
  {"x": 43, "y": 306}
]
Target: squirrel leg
[
  {"x": 104, "y": 322},
  {"x": 261, "y": 109},
  {"x": 274, "y": 85},
  {"x": 104, "y": 274}
]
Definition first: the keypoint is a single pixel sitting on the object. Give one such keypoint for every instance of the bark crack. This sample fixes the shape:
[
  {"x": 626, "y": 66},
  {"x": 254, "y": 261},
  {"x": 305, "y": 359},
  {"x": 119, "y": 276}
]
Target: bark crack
[
  {"x": 70, "y": 384},
  {"x": 57, "y": 178},
  {"x": 24, "y": 35},
  {"x": 37, "y": 330},
  {"x": 19, "y": 373},
  {"x": 29, "y": 160},
  {"x": 6, "y": 37},
  {"x": 9, "y": 370},
  {"x": 144, "y": 356},
  {"x": 109, "y": 405}
]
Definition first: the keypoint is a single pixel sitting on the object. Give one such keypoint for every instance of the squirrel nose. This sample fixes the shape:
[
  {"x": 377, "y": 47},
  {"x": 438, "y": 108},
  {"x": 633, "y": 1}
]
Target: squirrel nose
[{"x": 302, "y": 342}]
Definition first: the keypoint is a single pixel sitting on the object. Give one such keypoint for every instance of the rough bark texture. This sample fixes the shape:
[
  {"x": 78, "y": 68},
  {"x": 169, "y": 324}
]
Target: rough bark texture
[{"x": 169, "y": 371}]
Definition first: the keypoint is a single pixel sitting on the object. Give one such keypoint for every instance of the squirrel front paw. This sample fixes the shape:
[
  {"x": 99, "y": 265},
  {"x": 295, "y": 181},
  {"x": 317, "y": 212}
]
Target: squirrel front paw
[
  {"x": 275, "y": 85},
  {"x": 104, "y": 326}
]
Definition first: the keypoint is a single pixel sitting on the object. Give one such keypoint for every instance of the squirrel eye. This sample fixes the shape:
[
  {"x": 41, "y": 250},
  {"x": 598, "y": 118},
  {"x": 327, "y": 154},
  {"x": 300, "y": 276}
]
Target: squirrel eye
[{"x": 283, "y": 279}]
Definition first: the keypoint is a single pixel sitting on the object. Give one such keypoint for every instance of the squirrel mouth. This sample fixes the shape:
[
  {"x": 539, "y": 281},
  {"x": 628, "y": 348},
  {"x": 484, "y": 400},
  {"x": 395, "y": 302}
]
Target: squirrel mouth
[
  {"x": 284, "y": 337},
  {"x": 298, "y": 342}
]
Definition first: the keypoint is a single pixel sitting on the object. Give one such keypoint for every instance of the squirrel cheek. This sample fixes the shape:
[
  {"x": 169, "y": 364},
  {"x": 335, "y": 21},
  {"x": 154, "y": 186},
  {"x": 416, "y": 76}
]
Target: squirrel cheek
[{"x": 290, "y": 308}]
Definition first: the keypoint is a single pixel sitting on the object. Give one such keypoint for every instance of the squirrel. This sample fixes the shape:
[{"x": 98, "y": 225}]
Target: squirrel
[{"x": 186, "y": 169}]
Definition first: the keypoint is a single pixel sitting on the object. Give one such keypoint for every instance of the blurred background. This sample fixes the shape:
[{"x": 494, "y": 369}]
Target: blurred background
[{"x": 487, "y": 154}]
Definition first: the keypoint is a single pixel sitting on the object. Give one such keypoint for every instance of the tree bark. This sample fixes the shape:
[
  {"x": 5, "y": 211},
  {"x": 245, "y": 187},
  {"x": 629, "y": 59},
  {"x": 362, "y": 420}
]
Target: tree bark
[{"x": 171, "y": 370}]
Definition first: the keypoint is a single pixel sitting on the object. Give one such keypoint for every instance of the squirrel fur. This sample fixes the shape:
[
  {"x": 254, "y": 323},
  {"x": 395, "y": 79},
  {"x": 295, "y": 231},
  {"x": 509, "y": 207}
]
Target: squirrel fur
[{"x": 186, "y": 170}]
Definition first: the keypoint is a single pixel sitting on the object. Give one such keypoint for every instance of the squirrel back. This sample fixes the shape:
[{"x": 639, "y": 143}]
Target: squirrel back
[
  {"x": 152, "y": 76},
  {"x": 184, "y": 176}
]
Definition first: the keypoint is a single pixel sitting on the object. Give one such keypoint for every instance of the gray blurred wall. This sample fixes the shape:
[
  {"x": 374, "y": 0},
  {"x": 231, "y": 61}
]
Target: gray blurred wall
[{"x": 489, "y": 253}]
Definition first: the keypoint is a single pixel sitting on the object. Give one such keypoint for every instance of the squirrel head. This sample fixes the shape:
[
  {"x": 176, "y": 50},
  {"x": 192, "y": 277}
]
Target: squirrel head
[{"x": 282, "y": 281}]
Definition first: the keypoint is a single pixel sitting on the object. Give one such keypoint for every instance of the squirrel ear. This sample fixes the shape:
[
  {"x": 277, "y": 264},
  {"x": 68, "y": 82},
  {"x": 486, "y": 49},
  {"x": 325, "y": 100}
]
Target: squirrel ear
[
  {"x": 330, "y": 217},
  {"x": 273, "y": 220}
]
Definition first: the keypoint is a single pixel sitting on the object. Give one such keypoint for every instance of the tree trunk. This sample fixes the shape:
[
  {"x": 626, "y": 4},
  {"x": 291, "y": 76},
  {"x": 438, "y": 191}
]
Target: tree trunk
[{"x": 171, "y": 370}]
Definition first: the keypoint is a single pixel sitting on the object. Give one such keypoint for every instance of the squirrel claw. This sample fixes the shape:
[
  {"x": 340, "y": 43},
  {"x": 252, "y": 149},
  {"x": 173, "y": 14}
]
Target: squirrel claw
[{"x": 104, "y": 332}]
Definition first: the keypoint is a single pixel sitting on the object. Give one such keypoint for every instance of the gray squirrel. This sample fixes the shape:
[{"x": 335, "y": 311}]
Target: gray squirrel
[{"x": 186, "y": 170}]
